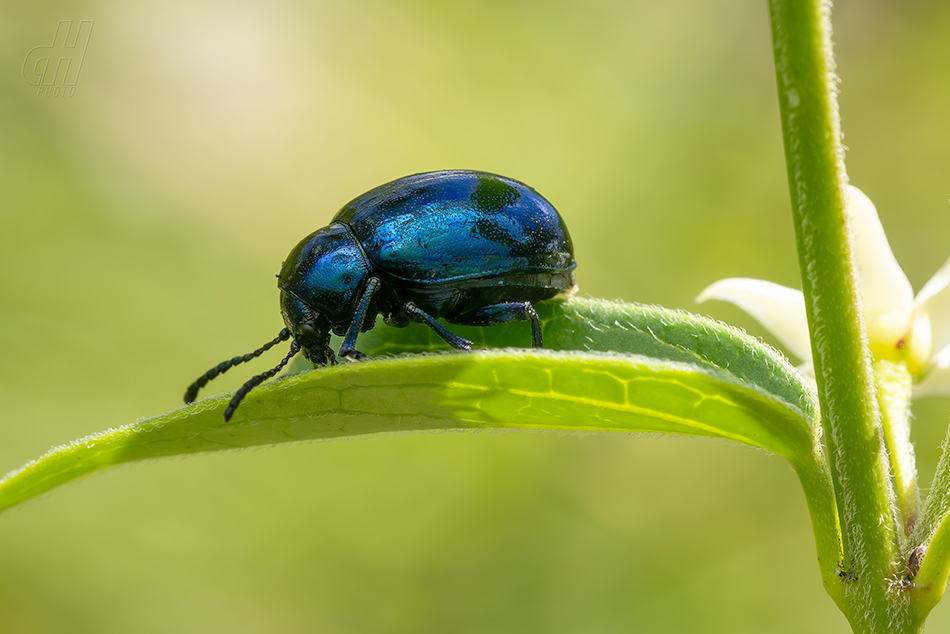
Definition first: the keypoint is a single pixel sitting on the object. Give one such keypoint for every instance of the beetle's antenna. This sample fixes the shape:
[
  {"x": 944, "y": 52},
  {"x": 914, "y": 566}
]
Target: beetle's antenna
[
  {"x": 192, "y": 392},
  {"x": 257, "y": 380}
]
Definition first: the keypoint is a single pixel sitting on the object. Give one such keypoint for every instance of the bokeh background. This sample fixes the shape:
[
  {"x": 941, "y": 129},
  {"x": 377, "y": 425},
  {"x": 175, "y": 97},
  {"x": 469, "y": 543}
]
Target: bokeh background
[{"x": 142, "y": 220}]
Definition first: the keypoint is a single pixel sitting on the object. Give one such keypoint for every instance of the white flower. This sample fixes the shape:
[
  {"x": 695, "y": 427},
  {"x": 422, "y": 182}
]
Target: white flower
[{"x": 900, "y": 327}]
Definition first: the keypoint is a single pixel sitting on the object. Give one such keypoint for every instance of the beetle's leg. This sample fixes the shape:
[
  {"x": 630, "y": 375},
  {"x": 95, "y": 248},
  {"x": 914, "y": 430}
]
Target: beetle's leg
[
  {"x": 417, "y": 314},
  {"x": 348, "y": 349},
  {"x": 500, "y": 313}
]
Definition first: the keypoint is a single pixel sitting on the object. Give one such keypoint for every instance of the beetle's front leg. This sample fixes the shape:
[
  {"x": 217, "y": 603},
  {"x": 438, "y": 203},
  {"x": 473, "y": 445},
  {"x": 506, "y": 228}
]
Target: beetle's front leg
[{"x": 348, "y": 349}]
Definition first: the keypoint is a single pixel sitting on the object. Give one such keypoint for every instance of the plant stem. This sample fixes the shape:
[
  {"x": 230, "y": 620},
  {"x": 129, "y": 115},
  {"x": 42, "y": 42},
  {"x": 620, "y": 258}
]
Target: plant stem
[
  {"x": 932, "y": 532},
  {"x": 937, "y": 505},
  {"x": 931, "y": 581},
  {"x": 894, "y": 386},
  {"x": 816, "y": 484},
  {"x": 857, "y": 461}
]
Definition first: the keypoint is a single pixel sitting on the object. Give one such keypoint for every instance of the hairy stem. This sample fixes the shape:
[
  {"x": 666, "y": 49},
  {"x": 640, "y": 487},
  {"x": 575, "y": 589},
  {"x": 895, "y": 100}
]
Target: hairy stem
[
  {"x": 937, "y": 505},
  {"x": 932, "y": 534},
  {"x": 801, "y": 31},
  {"x": 894, "y": 385}
]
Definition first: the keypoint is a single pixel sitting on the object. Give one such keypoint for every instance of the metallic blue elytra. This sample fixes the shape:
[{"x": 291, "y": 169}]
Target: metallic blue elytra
[{"x": 470, "y": 247}]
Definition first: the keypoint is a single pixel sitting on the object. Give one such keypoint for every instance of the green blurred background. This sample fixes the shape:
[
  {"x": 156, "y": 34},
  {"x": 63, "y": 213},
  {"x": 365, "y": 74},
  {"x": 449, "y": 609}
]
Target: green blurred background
[{"x": 143, "y": 218}]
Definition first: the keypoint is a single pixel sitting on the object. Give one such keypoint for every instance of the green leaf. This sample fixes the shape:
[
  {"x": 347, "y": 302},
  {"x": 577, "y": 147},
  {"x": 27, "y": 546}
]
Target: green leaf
[
  {"x": 613, "y": 367},
  {"x": 651, "y": 331}
]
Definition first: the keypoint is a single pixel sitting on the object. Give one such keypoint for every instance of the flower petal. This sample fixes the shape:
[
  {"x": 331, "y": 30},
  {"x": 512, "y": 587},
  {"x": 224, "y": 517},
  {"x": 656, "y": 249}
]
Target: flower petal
[
  {"x": 934, "y": 302},
  {"x": 937, "y": 381},
  {"x": 779, "y": 308},
  {"x": 887, "y": 294}
]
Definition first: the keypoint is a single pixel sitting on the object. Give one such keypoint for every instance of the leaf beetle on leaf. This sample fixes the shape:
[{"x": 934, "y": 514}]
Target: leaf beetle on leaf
[{"x": 470, "y": 247}]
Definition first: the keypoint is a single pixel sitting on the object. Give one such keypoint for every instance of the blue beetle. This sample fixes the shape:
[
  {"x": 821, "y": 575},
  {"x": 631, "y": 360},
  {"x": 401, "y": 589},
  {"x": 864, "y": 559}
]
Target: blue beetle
[{"x": 471, "y": 247}]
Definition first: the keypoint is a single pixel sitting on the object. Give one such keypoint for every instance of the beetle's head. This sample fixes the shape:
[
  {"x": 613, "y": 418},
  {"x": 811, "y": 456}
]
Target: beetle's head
[
  {"x": 320, "y": 283},
  {"x": 309, "y": 328}
]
